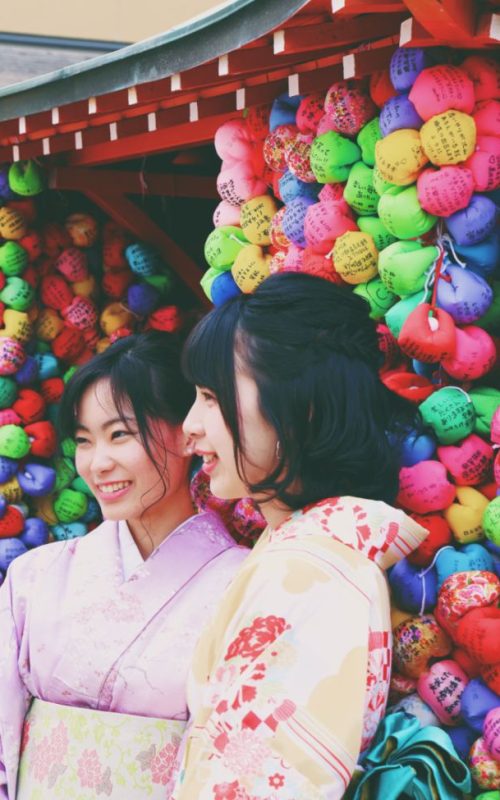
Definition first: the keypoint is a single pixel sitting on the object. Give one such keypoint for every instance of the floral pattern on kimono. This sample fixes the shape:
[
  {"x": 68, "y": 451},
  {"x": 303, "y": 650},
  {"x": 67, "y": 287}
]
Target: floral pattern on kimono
[
  {"x": 291, "y": 678},
  {"x": 76, "y": 632}
]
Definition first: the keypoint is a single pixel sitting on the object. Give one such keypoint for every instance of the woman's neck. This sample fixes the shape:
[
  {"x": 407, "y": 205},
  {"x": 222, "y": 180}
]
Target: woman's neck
[
  {"x": 274, "y": 512},
  {"x": 150, "y": 530}
]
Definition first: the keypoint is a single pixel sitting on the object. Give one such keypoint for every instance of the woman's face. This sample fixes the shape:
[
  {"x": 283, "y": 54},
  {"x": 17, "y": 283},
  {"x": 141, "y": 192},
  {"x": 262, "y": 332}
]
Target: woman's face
[
  {"x": 213, "y": 441},
  {"x": 112, "y": 460}
]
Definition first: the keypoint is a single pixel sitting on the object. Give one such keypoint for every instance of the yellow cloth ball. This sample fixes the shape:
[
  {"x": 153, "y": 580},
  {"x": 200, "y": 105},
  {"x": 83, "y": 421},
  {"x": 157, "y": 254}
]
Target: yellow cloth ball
[
  {"x": 82, "y": 229},
  {"x": 355, "y": 257},
  {"x": 12, "y": 224},
  {"x": 102, "y": 345},
  {"x": 48, "y": 325},
  {"x": 449, "y": 138},
  {"x": 115, "y": 316},
  {"x": 255, "y": 219},
  {"x": 16, "y": 325},
  {"x": 400, "y": 157},
  {"x": 250, "y": 268},
  {"x": 465, "y": 517},
  {"x": 44, "y": 508},
  {"x": 11, "y": 491},
  {"x": 85, "y": 288}
]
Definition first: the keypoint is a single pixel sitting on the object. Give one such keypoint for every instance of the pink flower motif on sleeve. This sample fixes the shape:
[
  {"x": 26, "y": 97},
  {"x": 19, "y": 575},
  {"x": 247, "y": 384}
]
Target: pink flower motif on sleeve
[
  {"x": 89, "y": 769},
  {"x": 253, "y": 640}
]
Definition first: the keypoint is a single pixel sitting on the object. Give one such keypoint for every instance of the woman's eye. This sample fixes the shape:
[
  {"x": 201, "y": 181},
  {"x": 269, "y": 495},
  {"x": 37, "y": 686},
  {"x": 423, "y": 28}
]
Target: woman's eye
[
  {"x": 208, "y": 396},
  {"x": 80, "y": 440},
  {"x": 120, "y": 434}
]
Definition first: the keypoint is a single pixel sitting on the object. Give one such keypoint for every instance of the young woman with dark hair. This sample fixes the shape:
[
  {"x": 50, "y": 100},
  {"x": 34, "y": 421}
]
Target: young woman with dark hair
[
  {"x": 97, "y": 633},
  {"x": 290, "y": 679}
]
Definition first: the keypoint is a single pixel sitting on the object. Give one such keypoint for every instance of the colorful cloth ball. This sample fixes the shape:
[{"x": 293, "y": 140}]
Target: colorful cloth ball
[
  {"x": 233, "y": 142},
  {"x": 484, "y": 163},
  {"x": 465, "y": 515},
  {"x": 238, "y": 182},
  {"x": 441, "y": 88},
  {"x": 448, "y": 138},
  {"x": 484, "y": 73},
  {"x": 402, "y": 215},
  {"x": 485, "y": 769},
  {"x": 403, "y": 266},
  {"x": 275, "y": 146},
  {"x": 444, "y": 191},
  {"x": 83, "y": 229},
  {"x": 223, "y": 245},
  {"x": 250, "y": 268},
  {"x": 491, "y": 521},
  {"x": 12, "y": 355},
  {"x": 355, "y": 257},
  {"x": 416, "y": 641},
  {"x": 400, "y": 156},
  {"x": 324, "y": 223},
  {"x": 298, "y": 157},
  {"x": 425, "y": 487},
  {"x": 474, "y": 223},
  {"x": 475, "y": 354},
  {"x": 450, "y": 413},
  {"x": 294, "y": 220},
  {"x": 255, "y": 219},
  {"x": 349, "y": 106},
  {"x": 359, "y": 191},
  {"x": 463, "y": 294},
  {"x": 406, "y": 64},
  {"x": 399, "y": 112},
  {"x": 332, "y": 156},
  {"x": 442, "y": 687},
  {"x": 309, "y": 113}
]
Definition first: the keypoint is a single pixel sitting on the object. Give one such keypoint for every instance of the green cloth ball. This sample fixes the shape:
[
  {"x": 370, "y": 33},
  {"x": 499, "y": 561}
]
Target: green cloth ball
[
  {"x": 377, "y": 295},
  {"x": 396, "y": 316},
  {"x": 162, "y": 282},
  {"x": 207, "y": 280},
  {"x": 17, "y": 294},
  {"x": 402, "y": 214},
  {"x": 486, "y": 400},
  {"x": 81, "y": 486},
  {"x": 377, "y": 230},
  {"x": 331, "y": 157},
  {"x": 65, "y": 472},
  {"x": 68, "y": 447},
  {"x": 367, "y": 138},
  {"x": 26, "y": 178},
  {"x": 8, "y": 391},
  {"x": 491, "y": 521},
  {"x": 13, "y": 259},
  {"x": 359, "y": 191},
  {"x": 450, "y": 413},
  {"x": 14, "y": 442},
  {"x": 69, "y": 374},
  {"x": 403, "y": 266},
  {"x": 379, "y": 183},
  {"x": 223, "y": 245},
  {"x": 70, "y": 505}
]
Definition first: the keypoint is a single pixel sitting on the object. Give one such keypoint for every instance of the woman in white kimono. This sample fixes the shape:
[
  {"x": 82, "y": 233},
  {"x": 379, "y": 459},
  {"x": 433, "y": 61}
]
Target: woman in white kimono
[
  {"x": 290, "y": 678},
  {"x": 97, "y": 633}
]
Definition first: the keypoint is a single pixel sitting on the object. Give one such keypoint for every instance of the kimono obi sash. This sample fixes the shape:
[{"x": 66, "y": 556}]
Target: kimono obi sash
[{"x": 79, "y": 752}]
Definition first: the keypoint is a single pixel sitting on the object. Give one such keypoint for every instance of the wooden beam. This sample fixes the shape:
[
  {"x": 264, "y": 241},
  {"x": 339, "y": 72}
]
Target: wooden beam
[
  {"x": 162, "y": 184},
  {"x": 130, "y": 216},
  {"x": 445, "y": 19},
  {"x": 351, "y": 8},
  {"x": 160, "y": 140},
  {"x": 413, "y": 34},
  {"x": 338, "y": 33}
]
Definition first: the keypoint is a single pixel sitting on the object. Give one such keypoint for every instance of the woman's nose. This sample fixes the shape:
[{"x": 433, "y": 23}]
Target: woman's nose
[
  {"x": 192, "y": 425},
  {"x": 101, "y": 460}
]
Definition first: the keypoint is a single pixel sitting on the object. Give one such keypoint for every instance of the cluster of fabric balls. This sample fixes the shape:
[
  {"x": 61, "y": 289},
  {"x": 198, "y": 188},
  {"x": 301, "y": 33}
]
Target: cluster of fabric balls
[
  {"x": 390, "y": 186},
  {"x": 67, "y": 291}
]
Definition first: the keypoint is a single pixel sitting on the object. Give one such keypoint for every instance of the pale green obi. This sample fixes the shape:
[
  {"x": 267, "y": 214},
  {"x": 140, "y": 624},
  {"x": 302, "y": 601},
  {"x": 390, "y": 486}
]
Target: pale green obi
[{"x": 79, "y": 754}]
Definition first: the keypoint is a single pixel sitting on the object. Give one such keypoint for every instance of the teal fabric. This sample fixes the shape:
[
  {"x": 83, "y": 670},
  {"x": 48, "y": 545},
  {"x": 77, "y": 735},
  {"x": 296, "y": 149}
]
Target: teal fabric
[{"x": 407, "y": 761}]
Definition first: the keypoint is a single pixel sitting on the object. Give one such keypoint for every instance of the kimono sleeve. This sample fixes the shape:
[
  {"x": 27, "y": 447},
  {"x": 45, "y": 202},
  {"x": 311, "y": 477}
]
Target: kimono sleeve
[
  {"x": 14, "y": 697},
  {"x": 282, "y": 713}
]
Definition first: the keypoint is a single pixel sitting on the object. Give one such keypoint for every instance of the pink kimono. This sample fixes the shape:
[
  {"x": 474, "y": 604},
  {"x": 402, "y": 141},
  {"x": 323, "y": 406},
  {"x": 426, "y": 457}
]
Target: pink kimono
[{"x": 81, "y": 627}]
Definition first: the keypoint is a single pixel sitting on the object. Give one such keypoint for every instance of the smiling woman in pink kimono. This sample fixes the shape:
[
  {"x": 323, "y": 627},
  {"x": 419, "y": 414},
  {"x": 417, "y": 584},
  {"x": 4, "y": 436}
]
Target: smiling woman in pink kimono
[
  {"x": 97, "y": 633},
  {"x": 290, "y": 679}
]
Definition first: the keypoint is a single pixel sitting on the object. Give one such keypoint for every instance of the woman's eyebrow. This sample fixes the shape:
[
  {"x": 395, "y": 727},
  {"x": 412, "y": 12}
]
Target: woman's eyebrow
[{"x": 107, "y": 424}]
